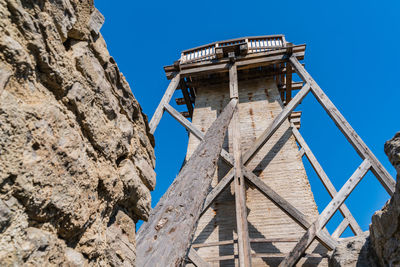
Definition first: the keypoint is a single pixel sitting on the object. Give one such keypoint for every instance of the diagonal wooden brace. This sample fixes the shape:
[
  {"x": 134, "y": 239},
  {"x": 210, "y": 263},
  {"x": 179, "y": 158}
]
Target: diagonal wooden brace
[
  {"x": 165, "y": 238},
  {"x": 288, "y": 208},
  {"x": 325, "y": 180},
  {"x": 155, "y": 120},
  {"x": 354, "y": 139},
  {"x": 196, "y": 259},
  {"x": 294, "y": 255},
  {"x": 266, "y": 135}
]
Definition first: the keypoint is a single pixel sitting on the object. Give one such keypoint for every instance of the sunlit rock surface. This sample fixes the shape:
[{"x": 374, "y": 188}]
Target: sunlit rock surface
[{"x": 76, "y": 156}]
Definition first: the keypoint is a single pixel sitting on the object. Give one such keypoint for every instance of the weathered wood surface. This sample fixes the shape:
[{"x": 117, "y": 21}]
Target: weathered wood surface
[
  {"x": 155, "y": 120},
  {"x": 288, "y": 208},
  {"x": 217, "y": 190},
  {"x": 240, "y": 193},
  {"x": 355, "y": 140},
  {"x": 165, "y": 239},
  {"x": 185, "y": 93},
  {"x": 341, "y": 228},
  {"x": 252, "y": 240},
  {"x": 278, "y": 164},
  {"x": 233, "y": 81},
  {"x": 326, "y": 215},
  {"x": 196, "y": 259},
  {"x": 196, "y": 132},
  {"x": 261, "y": 140},
  {"x": 288, "y": 83},
  {"x": 325, "y": 180}
]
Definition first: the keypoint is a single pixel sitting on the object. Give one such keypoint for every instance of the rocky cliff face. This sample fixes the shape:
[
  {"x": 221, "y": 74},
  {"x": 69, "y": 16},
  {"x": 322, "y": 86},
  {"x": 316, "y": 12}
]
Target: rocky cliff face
[
  {"x": 385, "y": 226},
  {"x": 76, "y": 157}
]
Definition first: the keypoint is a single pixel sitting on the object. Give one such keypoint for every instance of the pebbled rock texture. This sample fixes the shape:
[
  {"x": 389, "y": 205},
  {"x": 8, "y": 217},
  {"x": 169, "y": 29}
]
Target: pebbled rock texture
[
  {"x": 76, "y": 156},
  {"x": 353, "y": 252},
  {"x": 385, "y": 227}
]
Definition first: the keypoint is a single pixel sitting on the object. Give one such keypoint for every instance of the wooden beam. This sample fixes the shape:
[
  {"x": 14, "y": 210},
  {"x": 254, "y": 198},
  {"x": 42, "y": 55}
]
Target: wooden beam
[
  {"x": 301, "y": 151},
  {"x": 196, "y": 132},
  {"x": 240, "y": 190},
  {"x": 325, "y": 180},
  {"x": 155, "y": 120},
  {"x": 340, "y": 229},
  {"x": 217, "y": 190},
  {"x": 183, "y": 121},
  {"x": 264, "y": 137},
  {"x": 295, "y": 86},
  {"x": 326, "y": 215},
  {"x": 288, "y": 83},
  {"x": 186, "y": 96},
  {"x": 355, "y": 140},
  {"x": 196, "y": 259},
  {"x": 165, "y": 239},
  {"x": 288, "y": 208},
  {"x": 267, "y": 255},
  {"x": 233, "y": 81},
  {"x": 252, "y": 240}
]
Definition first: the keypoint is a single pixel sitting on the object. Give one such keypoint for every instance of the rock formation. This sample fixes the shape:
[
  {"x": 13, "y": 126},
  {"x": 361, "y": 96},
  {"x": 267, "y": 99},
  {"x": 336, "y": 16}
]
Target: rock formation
[
  {"x": 385, "y": 226},
  {"x": 76, "y": 156}
]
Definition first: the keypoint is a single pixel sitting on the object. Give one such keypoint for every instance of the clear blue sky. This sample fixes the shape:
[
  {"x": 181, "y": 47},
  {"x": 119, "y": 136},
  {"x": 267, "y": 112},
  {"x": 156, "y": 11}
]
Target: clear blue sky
[{"x": 351, "y": 52}]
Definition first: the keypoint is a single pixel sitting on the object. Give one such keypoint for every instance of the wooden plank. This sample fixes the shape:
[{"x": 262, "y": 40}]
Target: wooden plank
[
  {"x": 165, "y": 239},
  {"x": 197, "y": 133},
  {"x": 288, "y": 208},
  {"x": 217, "y": 190},
  {"x": 196, "y": 259},
  {"x": 264, "y": 137},
  {"x": 252, "y": 240},
  {"x": 355, "y": 140},
  {"x": 155, "y": 120},
  {"x": 233, "y": 81},
  {"x": 240, "y": 190},
  {"x": 288, "y": 83},
  {"x": 266, "y": 255},
  {"x": 325, "y": 180},
  {"x": 186, "y": 96},
  {"x": 295, "y": 86},
  {"x": 326, "y": 215},
  {"x": 184, "y": 122},
  {"x": 301, "y": 151},
  {"x": 340, "y": 229}
]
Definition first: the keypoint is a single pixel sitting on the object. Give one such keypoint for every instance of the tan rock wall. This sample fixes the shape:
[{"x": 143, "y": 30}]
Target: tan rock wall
[
  {"x": 385, "y": 226},
  {"x": 278, "y": 164},
  {"x": 76, "y": 157}
]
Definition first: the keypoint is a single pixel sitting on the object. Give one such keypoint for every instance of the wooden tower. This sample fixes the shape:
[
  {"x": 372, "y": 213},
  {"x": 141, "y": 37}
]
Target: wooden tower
[{"x": 259, "y": 209}]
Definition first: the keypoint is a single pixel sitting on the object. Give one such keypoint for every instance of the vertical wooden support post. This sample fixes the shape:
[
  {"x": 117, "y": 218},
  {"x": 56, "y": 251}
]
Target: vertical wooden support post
[
  {"x": 240, "y": 190},
  {"x": 155, "y": 120},
  {"x": 188, "y": 101},
  {"x": 288, "y": 83}
]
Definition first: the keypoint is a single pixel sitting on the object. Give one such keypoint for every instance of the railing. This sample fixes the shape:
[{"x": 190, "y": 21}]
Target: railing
[{"x": 255, "y": 44}]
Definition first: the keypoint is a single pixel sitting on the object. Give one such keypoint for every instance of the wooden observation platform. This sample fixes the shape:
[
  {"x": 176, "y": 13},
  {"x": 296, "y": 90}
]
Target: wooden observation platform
[{"x": 243, "y": 197}]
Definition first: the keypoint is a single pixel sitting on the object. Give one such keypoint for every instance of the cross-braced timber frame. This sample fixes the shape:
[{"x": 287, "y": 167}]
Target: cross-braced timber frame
[{"x": 238, "y": 160}]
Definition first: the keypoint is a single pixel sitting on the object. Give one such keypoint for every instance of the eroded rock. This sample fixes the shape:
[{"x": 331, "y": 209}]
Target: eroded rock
[
  {"x": 385, "y": 226},
  {"x": 76, "y": 156}
]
